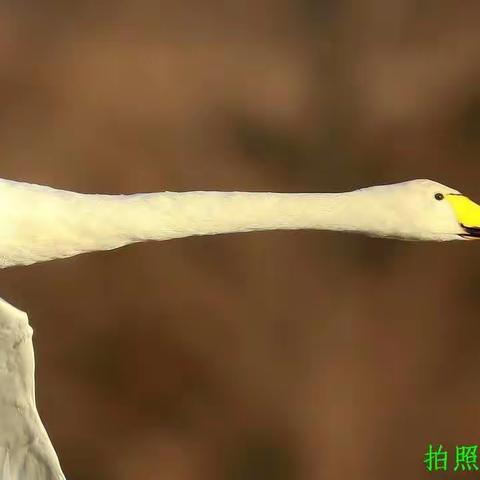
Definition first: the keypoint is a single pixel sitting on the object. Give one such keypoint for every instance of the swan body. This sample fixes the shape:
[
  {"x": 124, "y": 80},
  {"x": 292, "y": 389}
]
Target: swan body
[
  {"x": 41, "y": 223},
  {"x": 26, "y": 452}
]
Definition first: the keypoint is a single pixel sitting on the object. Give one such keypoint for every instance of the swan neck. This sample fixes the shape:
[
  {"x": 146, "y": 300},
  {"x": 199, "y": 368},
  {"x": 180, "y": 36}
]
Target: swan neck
[
  {"x": 208, "y": 213},
  {"x": 41, "y": 223}
]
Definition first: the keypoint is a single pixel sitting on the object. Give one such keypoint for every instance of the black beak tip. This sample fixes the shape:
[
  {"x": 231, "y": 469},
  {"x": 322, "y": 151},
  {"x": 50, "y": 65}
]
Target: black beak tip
[{"x": 471, "y": 232}]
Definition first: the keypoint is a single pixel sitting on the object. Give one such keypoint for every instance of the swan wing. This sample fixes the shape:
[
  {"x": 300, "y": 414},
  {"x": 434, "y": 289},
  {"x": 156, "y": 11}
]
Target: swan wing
[{"x": 26, "y": 452}]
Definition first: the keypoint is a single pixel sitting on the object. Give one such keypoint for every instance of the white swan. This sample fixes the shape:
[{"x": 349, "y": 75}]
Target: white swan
[{"x": 40, "y": 223}]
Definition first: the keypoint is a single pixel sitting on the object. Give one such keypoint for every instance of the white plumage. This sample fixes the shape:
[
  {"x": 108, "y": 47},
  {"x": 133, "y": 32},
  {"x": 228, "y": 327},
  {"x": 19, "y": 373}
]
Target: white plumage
[
  {"x": 40, "y": 223},
  {"x": 26, "y": 452}
]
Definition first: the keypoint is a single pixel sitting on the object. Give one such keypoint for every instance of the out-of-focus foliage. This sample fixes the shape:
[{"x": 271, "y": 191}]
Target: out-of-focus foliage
[{"x": 280, "y": 355}]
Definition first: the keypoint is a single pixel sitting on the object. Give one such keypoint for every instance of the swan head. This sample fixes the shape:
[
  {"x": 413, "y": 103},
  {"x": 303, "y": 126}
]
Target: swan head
[{"x": 425, "y": 210}]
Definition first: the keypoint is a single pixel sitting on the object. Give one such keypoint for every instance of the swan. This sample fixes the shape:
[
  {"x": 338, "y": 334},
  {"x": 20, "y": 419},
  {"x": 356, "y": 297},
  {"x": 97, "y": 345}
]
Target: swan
[{"x": 40, "y": 223}]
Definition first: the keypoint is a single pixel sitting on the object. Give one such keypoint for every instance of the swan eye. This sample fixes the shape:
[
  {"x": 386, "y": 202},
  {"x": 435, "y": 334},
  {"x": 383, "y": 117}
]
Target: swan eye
[{"x": 439, "y": 196}]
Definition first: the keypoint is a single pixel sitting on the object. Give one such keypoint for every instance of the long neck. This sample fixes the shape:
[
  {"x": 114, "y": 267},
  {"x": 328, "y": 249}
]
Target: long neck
[
  {"x": 40, "y": 223},
  {"x": 208, "y": 213}
]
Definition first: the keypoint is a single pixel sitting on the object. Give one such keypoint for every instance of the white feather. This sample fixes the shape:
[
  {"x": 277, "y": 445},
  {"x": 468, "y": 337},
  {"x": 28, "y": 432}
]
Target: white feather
[
  {"x": 40, "y": 223},
  {"x": 26, "y": 452}
]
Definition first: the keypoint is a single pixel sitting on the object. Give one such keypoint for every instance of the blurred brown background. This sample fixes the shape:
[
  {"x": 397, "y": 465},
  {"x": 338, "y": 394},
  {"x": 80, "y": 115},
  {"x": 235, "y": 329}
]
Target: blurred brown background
[{"x": 279, "y": 355}]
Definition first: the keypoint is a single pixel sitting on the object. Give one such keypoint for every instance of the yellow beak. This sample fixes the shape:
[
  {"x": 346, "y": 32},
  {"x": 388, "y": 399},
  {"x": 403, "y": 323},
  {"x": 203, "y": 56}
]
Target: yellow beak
[{"x": 467, "y": 213}]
